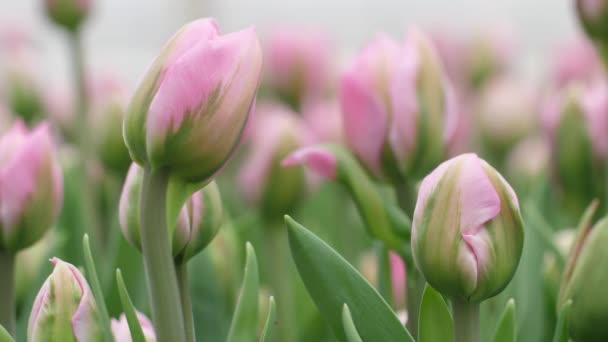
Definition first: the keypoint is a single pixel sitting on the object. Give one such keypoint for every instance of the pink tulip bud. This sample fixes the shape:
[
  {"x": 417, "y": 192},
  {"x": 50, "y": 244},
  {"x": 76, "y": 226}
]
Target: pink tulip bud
[
  {"x": 31, "y": 187},
  {"x": 317, "y": 158},
  {"x": 69, "y": 14},
  {"x": 398, "y": 107},
  {"x": 121, "y": 332},
  {"x": 575, "y": 60},
  {"x": 190, "y": 109},
  {"x": 298, "y": 64},
  {"x": 325, "y": 120},
  {"x": 467, "y": 232},
  {"x": 64, "y": 309},
  {"x": 489, "y": 54}
]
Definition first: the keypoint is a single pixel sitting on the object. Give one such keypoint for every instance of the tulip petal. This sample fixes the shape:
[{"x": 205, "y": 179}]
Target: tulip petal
[{"x": 318, "y": 159}]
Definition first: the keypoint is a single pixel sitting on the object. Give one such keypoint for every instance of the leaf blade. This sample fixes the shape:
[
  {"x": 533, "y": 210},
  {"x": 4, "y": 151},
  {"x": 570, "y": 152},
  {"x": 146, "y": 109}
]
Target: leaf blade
[
  {"x": 352, "y": 335},
  {"x": 245, "y": 319},
  {"x": 137, "y": 333},
  {"x": 435, "y": 323},
  {"x": 270, "y": 320},
  {"x": 506, "y": 330}
]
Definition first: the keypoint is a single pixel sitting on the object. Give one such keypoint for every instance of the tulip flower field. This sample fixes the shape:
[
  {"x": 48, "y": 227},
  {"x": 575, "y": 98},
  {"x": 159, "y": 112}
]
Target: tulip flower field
[{"x": 260, "y": 187}]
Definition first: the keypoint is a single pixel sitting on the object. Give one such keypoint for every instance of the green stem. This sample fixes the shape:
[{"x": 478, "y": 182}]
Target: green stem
[
  {"x": 7, "y": 292},
  {"x": 414, "y": 289},
  {"x": 406, "y": 197},
  {"x": 384, "y": 273},
  {"x": 163, "y": 291},
  {"x": 466, "y": 320},
  {"x": 184, "y": 291}
]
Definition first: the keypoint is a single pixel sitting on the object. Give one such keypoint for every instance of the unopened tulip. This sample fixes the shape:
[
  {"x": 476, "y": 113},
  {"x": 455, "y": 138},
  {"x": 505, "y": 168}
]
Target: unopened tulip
[
  {"x": 199, "y": 219},
  {"x": 121, "y": 332},
  {"x": 64, "y": 309},
  {"x": 585, "y": 285},
  {"x": 69, "y": 14},
  {"x": 190, "y": 109},
  {"x": 593, "y": 16},
  {"x": 298, "y": 65},
  {"x": 575, "y": 60},
  {"x": 324, "y": 119},
  {"x": 467, "y": 232},
  {"x": 23, "y": 94},
  {"x": 398, "y": 107},
  {"x": 576, "y": 122},
  {"x": 31, "y": 188},
  {"x": 528, "y": 162},
  {"x": 275, "y": 132},
  {"x": 489, "y": 55}
]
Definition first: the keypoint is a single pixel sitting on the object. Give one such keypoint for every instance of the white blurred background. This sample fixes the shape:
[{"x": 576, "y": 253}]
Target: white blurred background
[{"x": 124, "y": 35}]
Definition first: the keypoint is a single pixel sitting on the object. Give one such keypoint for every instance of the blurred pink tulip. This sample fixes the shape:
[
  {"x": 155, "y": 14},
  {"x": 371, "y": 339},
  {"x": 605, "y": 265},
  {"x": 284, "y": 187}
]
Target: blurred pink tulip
[
  {"x": 316, "y": 158},
  {"x": 398, "y": 279},
  {"x": 325, "y": 120},
  {"x": 575, "y": 60},
  {"x": 31, "y": 187},
  {"x": 490, "y": 53},
  {"x": 121, "y": 332},
  {"x": 191, "y": 107}
]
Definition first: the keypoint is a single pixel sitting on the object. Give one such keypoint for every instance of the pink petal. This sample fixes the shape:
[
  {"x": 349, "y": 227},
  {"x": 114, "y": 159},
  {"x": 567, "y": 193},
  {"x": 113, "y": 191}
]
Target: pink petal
[
  {"x": 595, "y": 106},
  {"x": 316, "y": 158}
]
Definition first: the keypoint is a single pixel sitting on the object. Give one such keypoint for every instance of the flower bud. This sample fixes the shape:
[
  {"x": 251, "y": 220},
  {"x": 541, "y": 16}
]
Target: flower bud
[
  {"x": 593, "y": 16},
  {"x": 199, "y": 219},
  {"x": 298, "y": 65},
  {"x": 398, "y": 107},
  {"x": 69, "y": 14},
  {"x": 489, "y": 54},
  {"x": 585, "y": 285},
  {"x": 64, "y": 309},
  {"x": 274, "y": 133},
  {"x": 467, "y": 232},
  {"x": 121, "y": 332},
  {"x": 528, "y": 162},
  {"x": 575, "y": 60},
  {"x": 190, "y": 109},
  {"x": 23, "y": 94},
  {"x": 31, "y": 186}
]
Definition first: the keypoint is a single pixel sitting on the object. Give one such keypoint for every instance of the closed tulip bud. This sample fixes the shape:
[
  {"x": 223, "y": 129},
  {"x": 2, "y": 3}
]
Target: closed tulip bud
[
  {"x": 467, "y": 232},
  {"x": 576, "y": 123},
  {"x": 274, "y": 133},
  {"x": 575, "y": 60},
  {"x": 31, "y": 187},
  {"x": 197, "y": 224},
  {"x": 584, "y": 284},
  {"x": 189, "y": 111},
  {"x": 64, "y": 309},
  {"x": 121, "y": 332},
  {"x": 593, "y": 16},
  {"x": 398, "y": 107},
  {"x": 69, "y": 14},
  {"x": 23, "y": 94},
  {"x": 528, "y": 162},
  {"x": 489, "y": 55}
]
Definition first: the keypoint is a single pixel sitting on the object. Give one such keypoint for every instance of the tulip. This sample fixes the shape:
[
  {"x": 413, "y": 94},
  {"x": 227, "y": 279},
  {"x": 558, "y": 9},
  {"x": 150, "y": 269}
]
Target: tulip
[
  {"x": 325, "y": 121},
  {"x": 593, "y": 16},
  {"x": 23, "y": 94},
  {"x": 467, "y": 232},
  {"x": 585, "y": 285},
  {"x": 189, "y": 111},
  {"x": 528, "y": 162},
  {"x": 298, "y": 65},
  {"x": 64, "y": 309},
  {"x": 575, "y": 60},
  {"x": 274, "y": 133},
  {"x": 199, "y": 219},
  {"x": 69, "y": 14},
  {"x": 398, "y": 107},
  {"x": 489, "y": 55},
  {"x": 31, "y": 188},
  {"x": 121, "y": 332}
]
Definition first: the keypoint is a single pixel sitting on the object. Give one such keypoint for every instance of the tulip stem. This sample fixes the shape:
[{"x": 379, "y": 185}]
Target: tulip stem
[
  {"x": 7, "y": 292},
  {"x": 466, "y": 320},
  {"x": 184, "y": 291},
  {"x": 163, "y": 290}
]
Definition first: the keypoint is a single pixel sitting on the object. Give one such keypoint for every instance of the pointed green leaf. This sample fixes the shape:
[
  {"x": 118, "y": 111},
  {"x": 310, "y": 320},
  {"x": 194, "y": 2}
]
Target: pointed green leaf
[
  {"x": 506, "y": 331},
  {"x": 561, "y": 328},
  {"x": 91, "y": 273},
  {"x": 137, "y": 333},
  {"x": 435, "y": 323},
  {"x": 270, "y": 321},
  {"x": 245, "y": 319},
  {"x": 332, "y": 282},
  {"x": 5, "y": 336},
  {"x": 349, "y": 326}
]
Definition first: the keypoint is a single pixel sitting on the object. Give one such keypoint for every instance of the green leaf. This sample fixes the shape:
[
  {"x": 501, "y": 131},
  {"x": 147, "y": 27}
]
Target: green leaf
[
  {"x": 5, "y": 336},
  {"x": 349, "y": 326},
  {"x": 561, "y": 329},
  {"x": 332, "y": 282},
  {"x": 91, "y": 272},
  {"x": 435, "y": 323},
  {"x": 270, "y": 321},
  {"x": 506, "y": 330},
  {"x": 245, "y": 319},
  {"x": 137, "y": 333}
]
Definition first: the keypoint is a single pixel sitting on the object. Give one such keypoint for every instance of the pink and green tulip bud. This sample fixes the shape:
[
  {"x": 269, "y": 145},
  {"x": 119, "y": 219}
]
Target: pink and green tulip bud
[
  {"x": 467, "y": 232},
  {"x": 198, "y": 222},
  {"x": 398, "y": 107},
  {"x": 489, "y": 55},
  {"x": 121, "y": 332},
  {"x": 23, "y": 94},
  {"x": 274, "y": 133},
  {"x": 528, "y": 162},
  {"x": 585, "y": 285},
  {"x": 190, "y": 109},
  {"x": 64, "y": 309},
  {"x": 575, "y": 60},
  {"x": 31, "y": 184},
  {"x": 298, "y": 65},
  {"x": 69, "y": 14},
  {"x": 576, "y": 123},
  {"x": 593, "y": 16}
]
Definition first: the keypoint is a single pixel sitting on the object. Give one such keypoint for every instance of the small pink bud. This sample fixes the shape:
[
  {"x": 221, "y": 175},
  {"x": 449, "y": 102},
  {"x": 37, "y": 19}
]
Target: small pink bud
[
  {"x": 31, "y": 185},
  {"x": 121, "y": 332}
]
